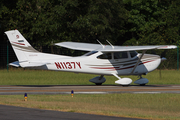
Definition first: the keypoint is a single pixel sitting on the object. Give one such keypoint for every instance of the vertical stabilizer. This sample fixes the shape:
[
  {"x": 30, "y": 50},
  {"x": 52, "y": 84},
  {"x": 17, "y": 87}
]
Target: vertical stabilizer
[{"x": 20, "y": 45}]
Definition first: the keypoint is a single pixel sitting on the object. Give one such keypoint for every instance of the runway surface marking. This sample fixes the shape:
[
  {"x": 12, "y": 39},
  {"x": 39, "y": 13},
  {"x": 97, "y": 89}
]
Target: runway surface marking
[{"x": 80, "y": 89}]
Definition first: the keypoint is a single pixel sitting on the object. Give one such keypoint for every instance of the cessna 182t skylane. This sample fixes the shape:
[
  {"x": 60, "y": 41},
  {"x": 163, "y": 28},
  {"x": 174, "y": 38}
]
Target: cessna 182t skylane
[{"x": 101, "y": 60}]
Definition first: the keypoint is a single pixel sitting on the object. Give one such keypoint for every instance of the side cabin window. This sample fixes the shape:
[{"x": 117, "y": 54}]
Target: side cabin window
[
  {"x": 105, "y": 56},
  {"x": 120, "y": 55},
  {"x": 133, "y": 53}
]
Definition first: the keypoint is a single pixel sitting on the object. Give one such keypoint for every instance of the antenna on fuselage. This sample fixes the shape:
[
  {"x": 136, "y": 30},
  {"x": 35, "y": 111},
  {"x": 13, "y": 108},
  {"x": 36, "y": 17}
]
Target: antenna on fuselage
[
  {"x": 100, "y": 43},
  {"x": 110, "y": 44}
]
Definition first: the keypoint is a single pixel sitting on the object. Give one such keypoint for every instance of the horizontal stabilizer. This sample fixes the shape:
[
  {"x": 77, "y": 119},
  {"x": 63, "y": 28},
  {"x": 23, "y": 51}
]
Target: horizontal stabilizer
[
  {"x": 15, "y": 64},
  {"x": 32, "y": 64},
  {"x": 163, "y": 59},
  {"x": 27, "y": 64}
]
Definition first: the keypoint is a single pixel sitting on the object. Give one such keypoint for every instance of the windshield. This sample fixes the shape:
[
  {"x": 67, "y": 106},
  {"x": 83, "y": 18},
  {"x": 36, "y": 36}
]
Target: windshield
[
  {"x": 105, "y": 56},
  {"x": 90, "y": 53}
]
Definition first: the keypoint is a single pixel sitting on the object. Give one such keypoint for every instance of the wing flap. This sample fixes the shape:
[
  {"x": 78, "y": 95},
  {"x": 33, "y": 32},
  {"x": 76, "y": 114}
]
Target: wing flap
[{"x": 79, "y": 46}]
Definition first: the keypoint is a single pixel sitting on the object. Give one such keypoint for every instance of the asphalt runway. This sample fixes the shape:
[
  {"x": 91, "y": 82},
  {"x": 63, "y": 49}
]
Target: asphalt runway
[
  {"x": 20, "y": 113},
  {"x": 87, "y": 89}
]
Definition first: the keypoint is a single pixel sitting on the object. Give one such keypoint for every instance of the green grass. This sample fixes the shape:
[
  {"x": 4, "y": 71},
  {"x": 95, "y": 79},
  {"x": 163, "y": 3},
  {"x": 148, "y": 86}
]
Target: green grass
[
  {"x": 42, "y": 77},
  {"x": 151, "y": 106}
]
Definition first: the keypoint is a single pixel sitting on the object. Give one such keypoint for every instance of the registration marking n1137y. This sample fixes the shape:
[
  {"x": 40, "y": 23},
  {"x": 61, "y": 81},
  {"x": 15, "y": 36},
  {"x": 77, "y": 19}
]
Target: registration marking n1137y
[{"x": 68, "y": 65}]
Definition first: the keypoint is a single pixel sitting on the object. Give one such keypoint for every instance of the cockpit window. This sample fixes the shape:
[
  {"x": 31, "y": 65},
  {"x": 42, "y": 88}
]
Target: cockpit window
[
  {"x": 90, "y": 53},
  {"x": 105, "y": 56},
  {"x": 133, "y": 53},
  {"x": 120, "y": 55}
]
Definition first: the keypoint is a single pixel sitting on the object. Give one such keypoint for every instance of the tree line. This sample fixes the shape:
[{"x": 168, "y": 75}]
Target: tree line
[{"x": 122, "y": 22}]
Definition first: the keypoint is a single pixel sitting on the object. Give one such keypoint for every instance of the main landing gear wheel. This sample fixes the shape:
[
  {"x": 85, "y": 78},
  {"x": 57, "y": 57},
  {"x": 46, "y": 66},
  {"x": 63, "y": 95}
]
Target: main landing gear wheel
[
  {"x": 98, "y": 83},
  {"x": 141, "y": 81},
  {"x": 142, "y": 84},
  {"x": 98, "y": 80}
]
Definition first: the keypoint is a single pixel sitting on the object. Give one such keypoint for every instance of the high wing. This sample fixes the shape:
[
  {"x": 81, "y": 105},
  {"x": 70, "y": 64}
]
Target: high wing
[
  {"x": 109, "y": 48},
  {"x": 132, "y": 48}
]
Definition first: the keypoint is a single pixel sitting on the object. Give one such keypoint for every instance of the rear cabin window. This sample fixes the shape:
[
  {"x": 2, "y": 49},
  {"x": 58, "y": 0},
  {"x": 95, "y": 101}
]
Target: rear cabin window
[
  {"x": 105, "y": 56},
  {"x": 133, "y": 53},
  {"x": 120, "y": 55}
]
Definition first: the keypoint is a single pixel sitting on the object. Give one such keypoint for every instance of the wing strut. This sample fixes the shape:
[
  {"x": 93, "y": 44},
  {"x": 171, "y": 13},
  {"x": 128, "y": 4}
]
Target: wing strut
[
  {"x": 100, "y": 43},
  {"x": 138, "y": 61},
  {"x": 110, "y": 44}
]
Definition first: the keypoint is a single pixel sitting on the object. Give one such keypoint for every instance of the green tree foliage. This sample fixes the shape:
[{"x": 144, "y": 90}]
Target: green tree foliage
[
  {"x": 37, "y": 19},
  {"x": 122, "y": 22},
  {"x": 6, "y": 11},
  {"x": 101, "y": 19},
  {"x": 172, "y": 27},
  {"x": 171, "y": 31},
  {"x": 44, "y": 21},
  {"x": 145, "y": 20}
]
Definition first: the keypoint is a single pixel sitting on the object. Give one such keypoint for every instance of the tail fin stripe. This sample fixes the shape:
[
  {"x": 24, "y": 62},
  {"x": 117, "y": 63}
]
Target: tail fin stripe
[
  {"x": 23, "y": 48},
  {"x": 19, "y": 43}
]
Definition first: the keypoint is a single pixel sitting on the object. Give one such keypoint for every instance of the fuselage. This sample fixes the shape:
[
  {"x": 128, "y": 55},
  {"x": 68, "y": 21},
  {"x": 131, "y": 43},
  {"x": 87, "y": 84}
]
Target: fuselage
[
  {"x": 102, "y": 60},
  {"x": 96, "y": 62}
]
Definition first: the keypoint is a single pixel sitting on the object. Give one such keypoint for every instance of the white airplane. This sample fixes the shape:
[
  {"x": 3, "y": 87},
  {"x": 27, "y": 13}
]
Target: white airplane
[{"x": 101, "y": 60}]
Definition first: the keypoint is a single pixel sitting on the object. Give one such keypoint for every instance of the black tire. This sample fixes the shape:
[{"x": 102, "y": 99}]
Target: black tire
[
  {"x": 125, "y": 85},
  {"x": 98, "y": 83},
  {"x": 142, "y": 84}
]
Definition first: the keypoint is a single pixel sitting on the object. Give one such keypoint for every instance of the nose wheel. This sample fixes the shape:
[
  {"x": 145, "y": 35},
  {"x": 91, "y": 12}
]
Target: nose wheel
[{"x": 122, "y": 81}]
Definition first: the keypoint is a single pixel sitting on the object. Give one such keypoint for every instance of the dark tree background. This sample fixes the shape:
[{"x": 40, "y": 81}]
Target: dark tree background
[{"x": 122, "y": 22}]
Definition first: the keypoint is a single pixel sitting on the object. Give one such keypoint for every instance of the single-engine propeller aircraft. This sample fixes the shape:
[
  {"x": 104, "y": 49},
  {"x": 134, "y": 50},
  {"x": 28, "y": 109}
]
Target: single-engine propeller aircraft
[{"x": 101, "y": 59}]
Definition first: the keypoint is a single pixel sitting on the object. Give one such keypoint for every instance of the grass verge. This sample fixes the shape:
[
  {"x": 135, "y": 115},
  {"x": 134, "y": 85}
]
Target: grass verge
[
  {"x": 151, "y": 106},
  {"x": 42, "y": 77}
]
